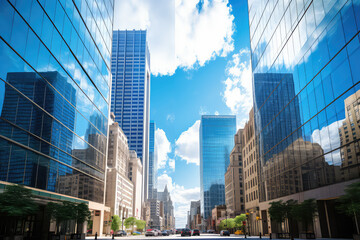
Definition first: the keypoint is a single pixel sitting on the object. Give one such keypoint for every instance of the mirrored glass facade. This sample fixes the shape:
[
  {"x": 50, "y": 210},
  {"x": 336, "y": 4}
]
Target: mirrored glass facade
[
  {"x": 305, "y": 60},
  {"x": 152, "y": 188},
  {"x": 130, "y": 94},
  {"x": 216, "y": 142},
  {"x": 54, "y": 94}
]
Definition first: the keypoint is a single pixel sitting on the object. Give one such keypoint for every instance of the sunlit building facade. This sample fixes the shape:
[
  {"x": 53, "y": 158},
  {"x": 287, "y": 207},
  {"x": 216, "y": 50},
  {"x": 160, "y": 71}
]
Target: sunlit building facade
[
  {"x": 130, "y": 93},
  {"x": 305, "y": 61},
  {"x": 216, "y": 142}
]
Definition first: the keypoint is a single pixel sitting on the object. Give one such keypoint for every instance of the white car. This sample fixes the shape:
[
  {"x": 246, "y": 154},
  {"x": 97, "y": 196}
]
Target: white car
[{"x": 151, "y": 232}]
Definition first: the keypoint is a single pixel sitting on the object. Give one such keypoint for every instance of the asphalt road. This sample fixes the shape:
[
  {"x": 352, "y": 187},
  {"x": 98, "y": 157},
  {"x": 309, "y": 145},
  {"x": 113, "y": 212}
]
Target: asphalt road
[{"x": 177, "y": 236}]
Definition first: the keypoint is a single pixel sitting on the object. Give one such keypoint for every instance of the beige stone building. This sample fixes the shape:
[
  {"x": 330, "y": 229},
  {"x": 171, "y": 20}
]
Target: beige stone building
[
  {"x": 234, "y": 187},
  {"x": 251, "y": 176},
  {"x": 119, "y": 188},
  {"x": 350, "y": 132},
  {"x": 135, "y": 175}
]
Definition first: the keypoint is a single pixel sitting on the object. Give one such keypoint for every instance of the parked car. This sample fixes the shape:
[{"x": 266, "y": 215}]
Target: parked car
[
  {"x": 210, "y": 231},
  {"x": 186, "y": 232},
  {"x": 178, "y": 230},
  {"x": 120, "y": 233},
  {"x": 238, "y": 232},
  {"x": 165, "y": 233},
  {"x": 224, "y": 233},
  {"x": 151, "y": 232},
  {"x": 195, "y": 232}
]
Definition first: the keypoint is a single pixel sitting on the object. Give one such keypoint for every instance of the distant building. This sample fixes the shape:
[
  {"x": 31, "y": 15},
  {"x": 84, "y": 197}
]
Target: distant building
[
  {"x": 234, "y": 189},
  {"x": 135, "y": 175},
  {"x": 130, "y": 95},
  {"x": 217, "y": 214},
  {"x": 194, "y": 213},
  {"x": 155, "y": 218},
  {"x": 153, "y": 161},
  {"x": 168, "y": 218},
  {"x": 119, "y": 188},
  {"x": 216, "y": 142}
]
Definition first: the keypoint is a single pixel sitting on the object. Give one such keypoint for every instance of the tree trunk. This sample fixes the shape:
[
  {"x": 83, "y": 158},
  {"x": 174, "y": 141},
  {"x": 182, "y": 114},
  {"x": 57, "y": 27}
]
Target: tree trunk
[{"x": 356, "y": 222}]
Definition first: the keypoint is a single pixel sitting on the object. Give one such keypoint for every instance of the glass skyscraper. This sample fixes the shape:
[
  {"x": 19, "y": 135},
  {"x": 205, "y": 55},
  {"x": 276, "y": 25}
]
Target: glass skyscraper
[
  {"x": 54, "y": 95},
  {"x": 130, "y": 95},
  {"x": 152, "y": 187},
  {"x": 305, "y": 60},
  {"x": 216, "y": 142}
]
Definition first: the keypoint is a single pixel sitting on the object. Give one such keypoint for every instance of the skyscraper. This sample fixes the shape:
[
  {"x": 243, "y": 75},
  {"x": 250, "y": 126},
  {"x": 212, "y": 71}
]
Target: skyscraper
[
  {"x": 130, "y": 95},
  {"x": 54, "y": 99},
  {"x": 216, "y": 142},
  {"x": 152, "y": 187},
  {"x": 302, "y": 122}
]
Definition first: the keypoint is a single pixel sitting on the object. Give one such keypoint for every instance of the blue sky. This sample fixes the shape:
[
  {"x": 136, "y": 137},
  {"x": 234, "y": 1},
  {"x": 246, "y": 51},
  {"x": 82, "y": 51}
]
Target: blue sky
[{"x": 200, "y": 64}]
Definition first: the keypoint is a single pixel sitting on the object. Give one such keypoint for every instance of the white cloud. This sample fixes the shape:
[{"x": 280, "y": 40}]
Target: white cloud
[
  {"x": 238, "y": 86},
  {"x": 328, "y": 138},
  {"x": 180, "y": 34},
  {"x": 181, "y": 197},
  {"x": 203, "y": 111},
  {"x": 187, "y": 145},
  {"x": 216, "y": 113},
  {"x": 170, "y": 117},
  {"x": 163, "y": 147},
  {"x": 172, "y": 164}
]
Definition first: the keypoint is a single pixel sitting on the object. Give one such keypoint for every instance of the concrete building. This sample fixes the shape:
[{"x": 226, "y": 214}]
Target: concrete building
[
  {"x": 135, "y": 175},
  {"x": 217, "y": 214},
  {"x": 168, "y": 216},
  {"x": 234, "y": 187},
  {"x": 194, "y": 213},
  {"x": 251, "y": 176},
  {"x": 119, "y": 188},
  {"x": 156, "y": 210}
]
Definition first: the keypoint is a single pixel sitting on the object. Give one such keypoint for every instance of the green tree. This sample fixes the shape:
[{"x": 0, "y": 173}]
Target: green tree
[
  {"x": 115, "y": 223},
  {"x": 17, "y": 201},
  {"x": 350, "y": 202},
  {"x": 227, "y": 224},
  {"x": 140, "y": 225},
  {"x": 82, "y": 214},
  {"x": 305, "y": 212},
  {"x": 239, "y": 220},
  {"x": 62, "y": 212},
  {"x": 130, "y": 222},
  {"x": 277, "y": 211}
]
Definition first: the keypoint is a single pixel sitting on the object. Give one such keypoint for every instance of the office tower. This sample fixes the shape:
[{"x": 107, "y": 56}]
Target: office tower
[
  {"x": 155, "y": 210},
  {"x": 54, "y": 99},
  {"x": 152, "y": 187},
  {"x": 234, "y": 186},
  {"x": 168, "y": 219},
  {"x": 135, "y": 175},
  {"x": 194, "y": 215},
  {"x": 216, "y": 142},
  {"x": 317, "y": 44},
  {"x": 130, "y": 95},
  {"x": 119, "y": 188},
  {"x": 251, "y": 176}
]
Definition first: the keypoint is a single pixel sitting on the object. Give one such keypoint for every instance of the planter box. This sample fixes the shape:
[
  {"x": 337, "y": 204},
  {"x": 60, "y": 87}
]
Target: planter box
[{"x": 307, "y": 235}]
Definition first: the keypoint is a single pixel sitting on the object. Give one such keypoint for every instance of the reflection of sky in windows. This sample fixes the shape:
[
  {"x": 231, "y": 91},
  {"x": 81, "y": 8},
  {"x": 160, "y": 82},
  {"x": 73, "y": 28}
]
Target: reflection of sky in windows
[
  {"x": 317, "y": 42},
  {"x": 216, "y": 142}
]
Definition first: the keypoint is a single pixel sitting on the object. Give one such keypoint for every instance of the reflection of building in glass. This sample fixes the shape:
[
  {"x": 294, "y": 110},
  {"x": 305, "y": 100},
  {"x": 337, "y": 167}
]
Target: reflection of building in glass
[
  {"x": 305, "y": 57},
  {"x": 119, "y": 188},
  {"x": 234, "y": 189},
  {"x": 152, "y": 163},
  {"x": 216, "y": 142},
  {"x": 53, "y": 76},
  {"x": 349, "y": 136},
  {"x": 130, "y": 97},
  {"x": 168, "y": 219}
]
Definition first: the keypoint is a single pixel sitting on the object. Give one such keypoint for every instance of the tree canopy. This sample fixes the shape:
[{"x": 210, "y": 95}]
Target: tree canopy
[
  {"x": 130, "y": 222},
  {"x": 17, "y": 201},
  {"x": 140, "y": 225},
  {"x": 115, "y": 223},
  {"x": 239, "y": 220},
  {"x": 227, "y": 223}
]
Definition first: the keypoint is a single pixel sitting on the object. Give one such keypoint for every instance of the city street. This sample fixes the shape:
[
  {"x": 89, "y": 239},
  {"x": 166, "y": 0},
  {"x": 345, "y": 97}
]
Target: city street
[{"x": 177, "y": 236}]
